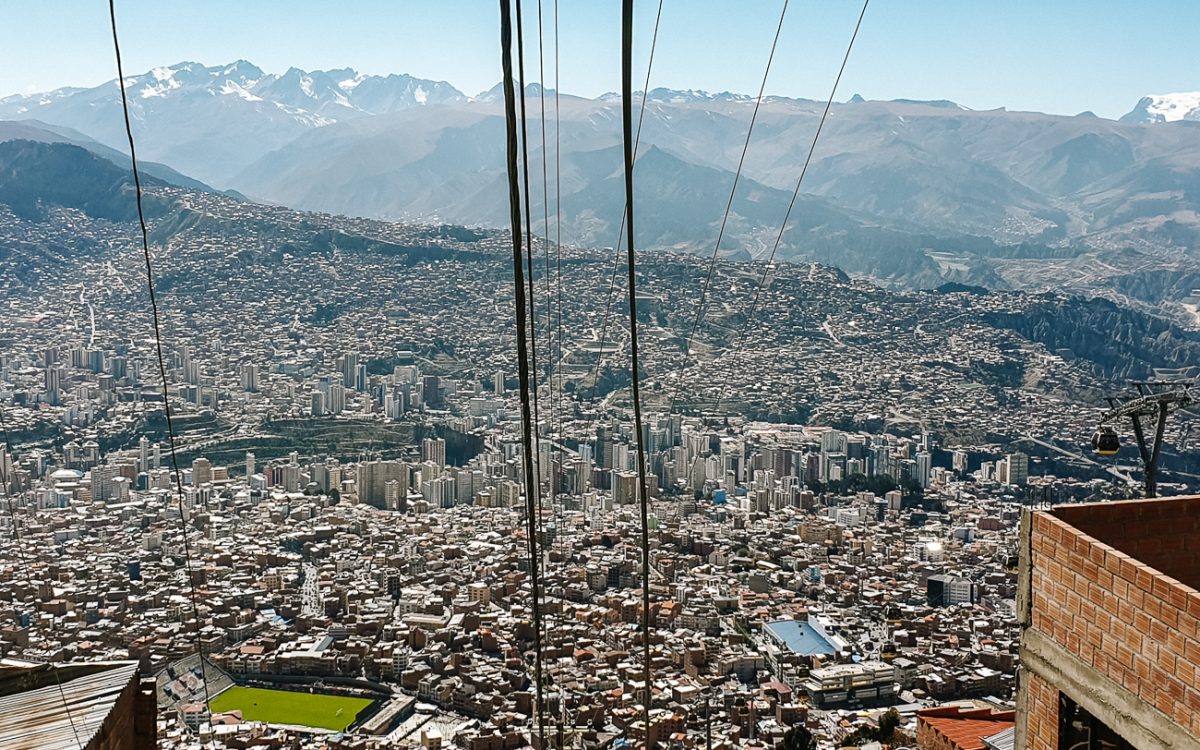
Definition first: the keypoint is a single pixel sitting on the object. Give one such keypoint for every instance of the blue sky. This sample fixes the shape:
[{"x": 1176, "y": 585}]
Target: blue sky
[{"x": 1060, "y": 56}]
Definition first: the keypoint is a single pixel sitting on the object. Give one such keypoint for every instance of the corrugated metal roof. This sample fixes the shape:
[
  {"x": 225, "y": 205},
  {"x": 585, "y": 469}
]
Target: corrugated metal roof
[
  {"x": 48, "y": 718},
  {"x": 1005, "y": 740}
]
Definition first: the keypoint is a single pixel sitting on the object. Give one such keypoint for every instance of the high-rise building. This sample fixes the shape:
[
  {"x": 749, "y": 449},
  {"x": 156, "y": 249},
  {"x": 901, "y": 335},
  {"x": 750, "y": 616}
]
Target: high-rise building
[
  {"x": 1018, "y": 469},
  {"x": 373, "y": 477},
  {"x": 291, "y": 476},
  {"x": 348, "y": 367},
  {"x": 202, "y": 472},
  {"x": 393, "y": 404},
  {"x": 337, "y": 399},
  {"x": 434, "y": 449},
  {"x": 395, "y": 495},
  {"x": 924, "y": 462},
  {"x": 625, "y": 487},
  {"x": 249, "y": 464},
  {"x": 103, "y": 482},
  {"x": 959, "y": 461},
  {"x": 143, "y": 463},
  {"x": 191, "y": 372},
  {"x": 250, "y": 378},
  {"x": 431, "y": 391},
  {"x": 831, "y": 441},
  {"x": 946, "y": 590},
  {"x": 326, "y": 474},
  {"x": 317, "y": 404},
  {"x": 53, "y": 384}
]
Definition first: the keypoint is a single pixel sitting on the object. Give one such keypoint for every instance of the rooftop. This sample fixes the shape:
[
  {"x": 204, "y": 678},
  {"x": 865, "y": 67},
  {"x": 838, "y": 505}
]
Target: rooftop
[
  {"x": 48, "y": 707},
  {"x": 801, "y": 637},
  {"x": 966, "y": 729},
  {"x": 1157, "y": 532}
]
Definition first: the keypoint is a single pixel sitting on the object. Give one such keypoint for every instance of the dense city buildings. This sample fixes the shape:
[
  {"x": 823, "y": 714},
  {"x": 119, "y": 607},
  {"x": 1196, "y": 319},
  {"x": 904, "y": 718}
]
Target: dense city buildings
[{"x": 338, "y": 518}]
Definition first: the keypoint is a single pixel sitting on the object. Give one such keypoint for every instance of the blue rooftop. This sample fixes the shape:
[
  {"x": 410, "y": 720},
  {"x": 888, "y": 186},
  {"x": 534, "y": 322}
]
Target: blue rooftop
[{"x": 800, "y": 637}]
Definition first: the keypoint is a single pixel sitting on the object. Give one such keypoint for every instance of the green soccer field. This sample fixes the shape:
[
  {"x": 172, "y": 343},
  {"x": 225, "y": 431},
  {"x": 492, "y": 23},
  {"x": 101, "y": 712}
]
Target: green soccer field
[{"x": 285, "y": 707}]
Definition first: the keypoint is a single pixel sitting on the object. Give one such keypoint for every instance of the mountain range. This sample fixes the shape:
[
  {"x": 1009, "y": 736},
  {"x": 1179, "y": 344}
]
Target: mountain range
[
  {"x": 911, "y": 193},
  {"x": 210, "y": 121}
]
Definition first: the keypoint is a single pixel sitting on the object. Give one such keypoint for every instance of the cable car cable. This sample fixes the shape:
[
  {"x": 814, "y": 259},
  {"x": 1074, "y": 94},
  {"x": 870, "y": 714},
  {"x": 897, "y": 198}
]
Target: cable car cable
[
  {"x": 550, "y": 365},
  {"x": 536, "y": 488},
  {"x": 701, "y": 305},
  {"x": 795, "y": 194},
  {"x": 612, "y": 282},
  {"x": 537, "y": 419},
  {"x": 162, "y": 368},
  {"x": 631, "y": 264},
  {"x": 557, "y": 507},
  {"x": 523, "y": 359}
]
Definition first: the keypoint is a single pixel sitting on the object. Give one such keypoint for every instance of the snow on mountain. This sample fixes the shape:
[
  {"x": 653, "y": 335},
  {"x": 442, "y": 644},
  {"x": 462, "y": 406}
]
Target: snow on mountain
[
  {"x": 676, "y": 96},
  {"x": 1166, "y": 108},
  {"x": 210, "y": 121},
  {"x": 330, "y": 94}
]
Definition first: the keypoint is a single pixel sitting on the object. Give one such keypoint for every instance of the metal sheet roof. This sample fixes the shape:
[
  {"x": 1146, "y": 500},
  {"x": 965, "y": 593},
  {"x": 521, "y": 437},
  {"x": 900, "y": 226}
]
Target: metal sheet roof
[
  {"x": 801, "y": 637},
  {"x": 62, "y": 715}
]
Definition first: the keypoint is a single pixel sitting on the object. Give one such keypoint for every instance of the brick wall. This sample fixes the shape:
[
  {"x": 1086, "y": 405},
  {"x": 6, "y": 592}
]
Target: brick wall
[
  {"x": 1127, "y": 620},
  {"x": 131, "y": 723},
  {"x": 1160, "y": 533},
  {"x": 1041, "y": 713}
]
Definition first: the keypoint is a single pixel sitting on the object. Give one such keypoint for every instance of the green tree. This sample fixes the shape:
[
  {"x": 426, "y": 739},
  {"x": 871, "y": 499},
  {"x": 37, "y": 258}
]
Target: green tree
[
  {"x": 799, "y": 738},
  {"x": 887, "y": 724}
]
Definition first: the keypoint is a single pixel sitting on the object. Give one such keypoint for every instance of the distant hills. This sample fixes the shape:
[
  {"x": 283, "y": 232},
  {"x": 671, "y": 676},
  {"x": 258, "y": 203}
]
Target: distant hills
[
  {"x": 38, "y": 180},
  {"x": 36, "y": 176},
  {"x": 910, "y": 193},
  {"x": 33, "y": 130}
]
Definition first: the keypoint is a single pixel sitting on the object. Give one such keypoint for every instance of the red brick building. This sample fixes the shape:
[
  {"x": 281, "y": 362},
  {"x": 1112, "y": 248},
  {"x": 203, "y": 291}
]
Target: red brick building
[{"x": 1110, "y": 647}]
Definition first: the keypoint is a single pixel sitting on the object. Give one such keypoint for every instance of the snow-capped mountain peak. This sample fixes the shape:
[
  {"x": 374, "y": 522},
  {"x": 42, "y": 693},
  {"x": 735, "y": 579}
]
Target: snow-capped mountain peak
[
  {"x": 1166, "y": 108},
  {"x": 351, "y": 83},
  {"x": 266, "y": 109},
  {"x": 312, "y": 96}
]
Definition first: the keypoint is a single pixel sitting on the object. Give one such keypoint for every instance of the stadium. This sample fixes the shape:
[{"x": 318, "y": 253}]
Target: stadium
[{"x": 297, "y": 702}]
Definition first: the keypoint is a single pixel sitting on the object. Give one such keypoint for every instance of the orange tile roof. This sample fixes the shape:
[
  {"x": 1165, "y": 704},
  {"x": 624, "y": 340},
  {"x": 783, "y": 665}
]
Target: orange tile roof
[{"x": 966, "y": 733}]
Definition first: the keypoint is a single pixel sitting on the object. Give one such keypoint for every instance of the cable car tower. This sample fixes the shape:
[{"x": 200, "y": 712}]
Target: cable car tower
[{"x": 1155, "y": 399}]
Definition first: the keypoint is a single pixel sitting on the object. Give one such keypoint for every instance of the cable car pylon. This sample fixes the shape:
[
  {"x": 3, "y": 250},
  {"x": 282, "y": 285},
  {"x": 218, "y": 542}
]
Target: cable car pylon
[{"x": 1155, "y": 399}]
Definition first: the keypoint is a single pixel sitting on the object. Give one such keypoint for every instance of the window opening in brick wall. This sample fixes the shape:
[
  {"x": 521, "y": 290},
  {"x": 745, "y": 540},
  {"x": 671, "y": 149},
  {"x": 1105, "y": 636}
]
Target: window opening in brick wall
[{"x": 1079, "y": 730}]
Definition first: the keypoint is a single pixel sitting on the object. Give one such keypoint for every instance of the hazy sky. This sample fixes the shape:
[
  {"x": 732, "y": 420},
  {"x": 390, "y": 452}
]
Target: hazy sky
[{"x": 1061, "y": 56}]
